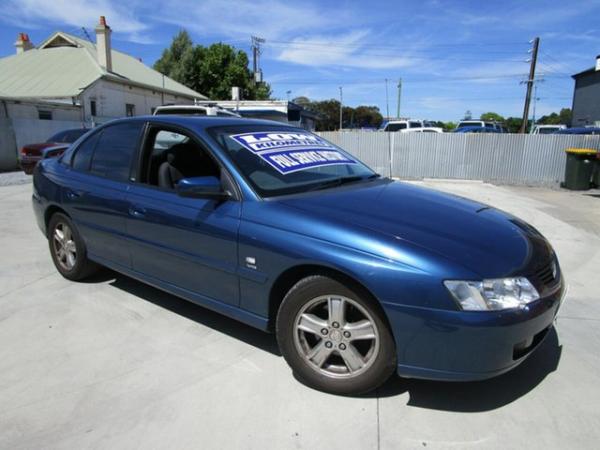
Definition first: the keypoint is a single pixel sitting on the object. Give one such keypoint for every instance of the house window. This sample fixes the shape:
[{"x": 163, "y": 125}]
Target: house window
[
  {"x": 129, "y": 110},
  {"x": 44, "y": 114},
  {"x": 93, "y": 107}
]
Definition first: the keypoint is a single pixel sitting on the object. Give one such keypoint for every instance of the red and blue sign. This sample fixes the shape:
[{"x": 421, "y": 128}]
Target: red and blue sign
[{"x": 291, "y": 152}]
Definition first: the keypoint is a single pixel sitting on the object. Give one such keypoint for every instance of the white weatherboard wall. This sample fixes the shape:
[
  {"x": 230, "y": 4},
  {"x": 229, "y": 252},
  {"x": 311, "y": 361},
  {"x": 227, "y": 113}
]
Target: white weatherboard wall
[
  {"x": 535, "y": 160},
  {"x": 111, "y": 99}
]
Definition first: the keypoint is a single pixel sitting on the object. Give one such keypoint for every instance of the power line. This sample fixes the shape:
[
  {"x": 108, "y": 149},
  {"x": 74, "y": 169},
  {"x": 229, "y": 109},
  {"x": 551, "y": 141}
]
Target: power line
[{"x": 409, "y": 80}]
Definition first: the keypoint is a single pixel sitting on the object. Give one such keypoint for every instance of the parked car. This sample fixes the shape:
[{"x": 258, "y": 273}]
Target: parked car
[
  {"x": 547, "y": 129},
  {"x": 208, "y": 109},
  {"x": 402, "y": 125},
  {"x": 357, "y": 275},
  {"x": 425, "y": 130},
  {"x": 481, "y": 124},
  {"x": 476, "y": 130},
  {"x": 580, "y": 130},
  {"x": 31, "y": 154}
]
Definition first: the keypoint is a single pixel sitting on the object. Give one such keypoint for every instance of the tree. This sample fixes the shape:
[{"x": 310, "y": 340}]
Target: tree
[
  {"x": 513, "y": 124},
  {"x": 367, "y": 116},
  {"x": 212, "y": 70},
  {"x": 491, "y": 117},
  {"x": 447, "y": 126},
  {"x": 329, "y": 112},
  {"x": 564, "y": 117}
]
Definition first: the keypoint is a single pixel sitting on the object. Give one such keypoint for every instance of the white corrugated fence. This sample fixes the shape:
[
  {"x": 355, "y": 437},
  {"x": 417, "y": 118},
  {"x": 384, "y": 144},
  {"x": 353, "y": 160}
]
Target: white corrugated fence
[{"x": 503, "y": 158}]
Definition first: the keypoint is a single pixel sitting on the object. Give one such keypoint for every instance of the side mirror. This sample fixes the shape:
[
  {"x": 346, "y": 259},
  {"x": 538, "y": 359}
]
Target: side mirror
[{"x": 202, "y": 187}]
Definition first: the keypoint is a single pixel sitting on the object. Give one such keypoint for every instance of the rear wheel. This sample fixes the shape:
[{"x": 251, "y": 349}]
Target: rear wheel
[
  {"x": 335, "y": 339},
  {"x": 68, "y": 249}
]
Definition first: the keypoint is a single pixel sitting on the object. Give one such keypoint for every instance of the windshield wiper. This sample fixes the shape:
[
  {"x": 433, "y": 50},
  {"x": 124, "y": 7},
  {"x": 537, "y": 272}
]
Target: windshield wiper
[{"x": 341, "y": 180}]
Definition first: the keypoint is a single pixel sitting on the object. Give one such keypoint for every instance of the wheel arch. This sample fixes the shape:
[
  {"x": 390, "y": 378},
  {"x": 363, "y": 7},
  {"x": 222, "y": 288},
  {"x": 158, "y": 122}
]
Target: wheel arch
[
  {"x": 50, "y": 211},
  {"x": 288, "y": 278}
]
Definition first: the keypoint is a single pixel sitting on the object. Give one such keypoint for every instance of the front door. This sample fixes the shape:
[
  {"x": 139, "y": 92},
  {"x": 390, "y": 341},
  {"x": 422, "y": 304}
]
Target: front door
[{"x": 186, "y": 243}]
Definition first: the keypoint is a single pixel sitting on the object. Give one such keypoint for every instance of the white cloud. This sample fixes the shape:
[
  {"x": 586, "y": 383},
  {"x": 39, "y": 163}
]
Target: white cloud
[
  {"x": 347, "y": 50},
  {"x": 241, "y": 19},
  {"x": 75, "y": 13}
]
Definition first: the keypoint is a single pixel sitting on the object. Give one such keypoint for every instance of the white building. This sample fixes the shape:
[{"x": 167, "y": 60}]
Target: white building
[{"x": 68, "y": 82}]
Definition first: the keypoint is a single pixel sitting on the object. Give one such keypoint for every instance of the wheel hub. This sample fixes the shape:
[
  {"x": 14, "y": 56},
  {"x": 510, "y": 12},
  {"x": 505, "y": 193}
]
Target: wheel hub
[{"x": 336, "y": 336}]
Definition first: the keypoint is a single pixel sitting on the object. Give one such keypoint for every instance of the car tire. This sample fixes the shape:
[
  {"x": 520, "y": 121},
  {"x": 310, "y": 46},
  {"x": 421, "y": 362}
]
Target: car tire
[
  {"x": 68, "y": 252},
  {"x": 334, "y": 338}
]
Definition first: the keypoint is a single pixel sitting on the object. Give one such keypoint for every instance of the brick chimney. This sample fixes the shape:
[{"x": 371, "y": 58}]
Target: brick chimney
[
  {"x": 103, "y": 44},
  {"x": 23, "y": 43}
]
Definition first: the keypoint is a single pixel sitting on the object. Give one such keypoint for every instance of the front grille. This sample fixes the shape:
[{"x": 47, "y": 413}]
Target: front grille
[{"x": 547, "y": 273}]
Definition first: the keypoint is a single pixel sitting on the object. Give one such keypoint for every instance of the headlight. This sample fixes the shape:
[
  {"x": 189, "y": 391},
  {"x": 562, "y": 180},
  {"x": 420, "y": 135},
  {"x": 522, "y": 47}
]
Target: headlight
[{"x": 492, "y": 295}]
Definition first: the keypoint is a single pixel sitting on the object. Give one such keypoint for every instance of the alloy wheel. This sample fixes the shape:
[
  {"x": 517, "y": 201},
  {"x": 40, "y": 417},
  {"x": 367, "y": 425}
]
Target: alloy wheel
[{"x": 336, "y": 336}]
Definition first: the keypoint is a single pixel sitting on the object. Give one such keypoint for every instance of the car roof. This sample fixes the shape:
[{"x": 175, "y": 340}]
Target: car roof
[
  {"x": 200, "y": 121},
  {"x": 469, "y": 128}
]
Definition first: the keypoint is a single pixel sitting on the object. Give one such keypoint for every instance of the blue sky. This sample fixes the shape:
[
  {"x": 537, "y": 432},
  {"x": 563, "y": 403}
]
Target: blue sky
[{"x": 452, "y": 56}]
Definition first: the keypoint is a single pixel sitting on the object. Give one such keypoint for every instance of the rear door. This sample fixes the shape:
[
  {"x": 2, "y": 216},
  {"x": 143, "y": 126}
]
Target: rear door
[{"x": 95, "y": 192}]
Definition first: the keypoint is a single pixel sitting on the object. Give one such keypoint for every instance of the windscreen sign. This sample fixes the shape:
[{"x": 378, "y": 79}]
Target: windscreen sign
[{"x": 291, "y": 152}]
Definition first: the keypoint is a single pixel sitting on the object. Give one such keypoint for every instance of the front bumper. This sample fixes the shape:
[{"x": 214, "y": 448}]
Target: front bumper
[{"x": 465, "y": 346}]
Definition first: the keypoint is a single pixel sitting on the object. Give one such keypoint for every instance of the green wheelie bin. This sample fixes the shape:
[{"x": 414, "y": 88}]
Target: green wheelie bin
[
  {"x": 579, "y": 168},
  {"x": 596, "y": 173}
]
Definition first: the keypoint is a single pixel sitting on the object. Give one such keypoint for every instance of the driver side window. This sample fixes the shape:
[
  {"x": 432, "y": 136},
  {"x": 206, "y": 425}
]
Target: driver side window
[{"x": 171, "y": 156}]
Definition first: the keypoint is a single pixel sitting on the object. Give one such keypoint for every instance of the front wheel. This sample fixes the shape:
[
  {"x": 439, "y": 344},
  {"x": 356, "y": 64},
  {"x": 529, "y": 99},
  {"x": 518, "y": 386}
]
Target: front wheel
[{"x": 335, "y": 339}]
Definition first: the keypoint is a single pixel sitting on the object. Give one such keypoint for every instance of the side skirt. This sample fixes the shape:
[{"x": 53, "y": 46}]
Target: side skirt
[{"x": 246, "y": 317}]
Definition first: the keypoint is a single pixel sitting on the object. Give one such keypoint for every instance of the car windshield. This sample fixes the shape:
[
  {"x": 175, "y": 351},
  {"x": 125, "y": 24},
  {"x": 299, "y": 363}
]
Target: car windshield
[
  {"x": 282, "y": 160},
  {"x": 547, "y": 130}
]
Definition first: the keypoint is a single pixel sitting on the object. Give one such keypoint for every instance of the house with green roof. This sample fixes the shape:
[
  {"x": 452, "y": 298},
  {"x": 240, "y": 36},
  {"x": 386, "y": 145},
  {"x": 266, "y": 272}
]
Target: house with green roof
[{"x": 69, "y": 82}]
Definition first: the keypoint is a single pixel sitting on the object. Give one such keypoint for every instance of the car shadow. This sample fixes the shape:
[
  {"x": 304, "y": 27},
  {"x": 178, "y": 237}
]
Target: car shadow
[
  {"x": 485, "y": 395},
  {"x": 478, "y": 396},
  {"x": 189, "y": 310}
]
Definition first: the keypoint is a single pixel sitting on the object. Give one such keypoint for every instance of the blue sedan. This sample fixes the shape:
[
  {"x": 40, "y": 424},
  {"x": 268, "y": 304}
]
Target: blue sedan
[{"x": 358, "y": 275}]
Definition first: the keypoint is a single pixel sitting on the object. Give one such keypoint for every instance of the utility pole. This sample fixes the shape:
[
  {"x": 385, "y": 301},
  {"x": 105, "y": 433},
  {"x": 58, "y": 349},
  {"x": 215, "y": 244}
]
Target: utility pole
[
  {"x": 530, "y": 82},
  {"x": 387, "y": 100},
  {"x": 341, "y": 104},
  {"x": 535, "y": 98},
  {"x": 399, "y": 96},
  {"x": 256, "y": 41}
]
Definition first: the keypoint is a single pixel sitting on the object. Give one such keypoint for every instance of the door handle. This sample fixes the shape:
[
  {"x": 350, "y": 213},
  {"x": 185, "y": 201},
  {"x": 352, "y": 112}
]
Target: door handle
[
  {"x": 136, "y": 211},
  {"x": 72, "y": 195}
]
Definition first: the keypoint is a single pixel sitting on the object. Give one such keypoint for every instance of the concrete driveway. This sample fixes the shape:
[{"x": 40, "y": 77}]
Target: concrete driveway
[{"x": 113, "y": 363}]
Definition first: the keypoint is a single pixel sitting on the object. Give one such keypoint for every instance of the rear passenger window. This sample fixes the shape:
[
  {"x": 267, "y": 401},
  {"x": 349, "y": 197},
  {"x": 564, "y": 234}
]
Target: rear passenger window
[
  {"x": 115, "y": 148},
  {"x": 83, "y": 154}
]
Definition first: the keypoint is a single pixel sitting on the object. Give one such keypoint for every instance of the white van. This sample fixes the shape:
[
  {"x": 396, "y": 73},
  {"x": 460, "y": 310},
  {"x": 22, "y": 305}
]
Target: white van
[
  {"x": 403, "y": 125},
  {"x": 547, "y": 129}
]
